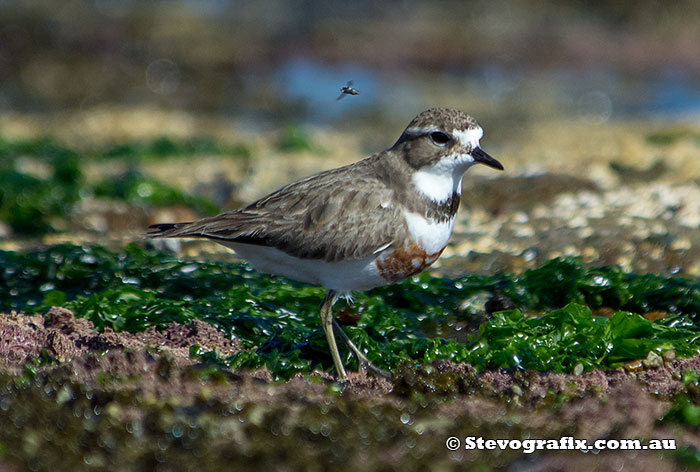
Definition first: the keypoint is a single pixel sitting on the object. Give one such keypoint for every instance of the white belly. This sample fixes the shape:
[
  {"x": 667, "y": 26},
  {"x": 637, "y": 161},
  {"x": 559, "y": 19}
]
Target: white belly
[
  {"x": 343, "y": 277},
  {"x": 346, "y": 276}
]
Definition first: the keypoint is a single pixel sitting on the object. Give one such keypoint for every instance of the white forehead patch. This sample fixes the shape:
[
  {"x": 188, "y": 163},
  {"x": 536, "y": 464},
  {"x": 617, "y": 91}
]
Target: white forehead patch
[{"x": 468, "y": 138}]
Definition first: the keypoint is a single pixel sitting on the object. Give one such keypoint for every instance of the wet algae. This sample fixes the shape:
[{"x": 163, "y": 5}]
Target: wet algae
[
  {"x": 38, "y": 202},
  {"x": 552, "y": 328},
  {"x": 55, "y": 421}
]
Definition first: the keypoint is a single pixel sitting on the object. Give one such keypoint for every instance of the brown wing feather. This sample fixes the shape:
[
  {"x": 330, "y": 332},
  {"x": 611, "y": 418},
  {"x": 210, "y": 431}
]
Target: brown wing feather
[{"x": 322, "y": 217}]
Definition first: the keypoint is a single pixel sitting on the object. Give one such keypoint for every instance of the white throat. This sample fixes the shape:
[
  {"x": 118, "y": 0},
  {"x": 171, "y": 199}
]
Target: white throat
[
  {"x": 437, "y": 186},
  {"x": 444, "y": 178}
]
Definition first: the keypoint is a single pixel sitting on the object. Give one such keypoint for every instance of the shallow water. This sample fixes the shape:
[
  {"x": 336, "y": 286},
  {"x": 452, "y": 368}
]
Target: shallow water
[{"x": 595, "y": 93}]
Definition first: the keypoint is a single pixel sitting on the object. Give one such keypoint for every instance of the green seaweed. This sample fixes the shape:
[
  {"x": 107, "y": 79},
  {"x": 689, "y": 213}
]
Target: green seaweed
[
  {"x": 33, "y": 205},
  {"x": 277, "y": 320},
  {"x": 140, "y": 190},
  {"x": 668, "y": 137},
  {"x": 30, "y": 204},
  {"x": 685, "y": 411},
  {"x": 569, "y": 336},
  {"x": 157, "y": 148},
  {"x": 295, "y": 139},
  {"x": 164, "y": 146}
]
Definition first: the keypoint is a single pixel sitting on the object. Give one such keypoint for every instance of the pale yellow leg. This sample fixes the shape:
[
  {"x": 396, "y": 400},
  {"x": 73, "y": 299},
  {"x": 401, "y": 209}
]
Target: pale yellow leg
[
  {"x": 327, "y": 325},
  {"x": 362, "y": 360}
]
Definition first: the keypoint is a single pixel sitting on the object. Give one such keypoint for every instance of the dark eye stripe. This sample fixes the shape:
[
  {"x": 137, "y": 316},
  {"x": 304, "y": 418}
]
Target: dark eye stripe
[{"x": 440, "y": 138}]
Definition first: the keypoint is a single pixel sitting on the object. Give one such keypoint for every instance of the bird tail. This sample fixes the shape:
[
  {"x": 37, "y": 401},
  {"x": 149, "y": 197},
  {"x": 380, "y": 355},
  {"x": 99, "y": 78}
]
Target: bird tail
[{"x": 164, "y": 230}]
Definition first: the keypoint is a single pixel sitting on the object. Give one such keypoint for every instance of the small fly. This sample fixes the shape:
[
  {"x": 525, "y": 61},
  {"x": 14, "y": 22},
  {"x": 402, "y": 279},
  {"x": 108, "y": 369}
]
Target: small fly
[{"x": 347, "y": 89}]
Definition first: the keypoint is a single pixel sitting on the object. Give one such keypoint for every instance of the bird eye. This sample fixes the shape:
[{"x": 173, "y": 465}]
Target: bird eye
[{"x": 439, "y": 138}]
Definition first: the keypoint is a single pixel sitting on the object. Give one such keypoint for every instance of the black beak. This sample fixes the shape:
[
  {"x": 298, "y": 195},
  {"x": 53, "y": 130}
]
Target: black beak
[{"x": 480, "y": 155}]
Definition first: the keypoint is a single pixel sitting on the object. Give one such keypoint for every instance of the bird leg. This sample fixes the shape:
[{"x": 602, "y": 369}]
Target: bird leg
[
  {"x": 362, "y": 359},
  {"x": 327, "y": 325}
]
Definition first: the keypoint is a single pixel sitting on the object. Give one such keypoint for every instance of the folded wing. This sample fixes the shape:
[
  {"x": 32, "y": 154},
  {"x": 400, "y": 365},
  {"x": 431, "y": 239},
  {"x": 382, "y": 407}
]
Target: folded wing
[{"x": 322, "y": 217}]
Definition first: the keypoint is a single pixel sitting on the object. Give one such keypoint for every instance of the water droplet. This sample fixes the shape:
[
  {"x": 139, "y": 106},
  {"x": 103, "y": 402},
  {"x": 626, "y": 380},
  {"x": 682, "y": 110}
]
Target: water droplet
[
  {"x": 529, "y": 254},
  {"x": 88, "y": 259},
  {"x": 178, "y": 430},
  {"x": 601, "y": 281}
]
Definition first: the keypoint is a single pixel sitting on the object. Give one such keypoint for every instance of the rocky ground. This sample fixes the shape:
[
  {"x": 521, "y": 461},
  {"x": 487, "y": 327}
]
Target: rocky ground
[
  {"x": 119, "y": 383},
  {"x": 619, "y": 193}
]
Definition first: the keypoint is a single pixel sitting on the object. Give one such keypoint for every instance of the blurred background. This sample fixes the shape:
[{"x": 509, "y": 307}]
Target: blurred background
[
  {"x": 244, "y": 93},
  {"x": 268, "y": 61}
]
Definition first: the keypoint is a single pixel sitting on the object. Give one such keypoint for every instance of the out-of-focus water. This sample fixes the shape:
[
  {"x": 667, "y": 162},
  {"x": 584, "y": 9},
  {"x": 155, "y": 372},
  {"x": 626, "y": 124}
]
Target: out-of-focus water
[
  {"x": 318, "y": 86},
  {"x": 597, "y": 94}
]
